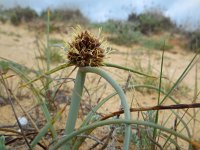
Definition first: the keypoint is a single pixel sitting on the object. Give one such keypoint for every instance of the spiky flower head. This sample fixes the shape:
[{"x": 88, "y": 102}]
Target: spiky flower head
[{"x": 85, "y": 49}]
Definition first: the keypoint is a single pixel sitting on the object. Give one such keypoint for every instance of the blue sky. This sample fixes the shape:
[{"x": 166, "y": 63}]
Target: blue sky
[{"x": 184, "y": 12}]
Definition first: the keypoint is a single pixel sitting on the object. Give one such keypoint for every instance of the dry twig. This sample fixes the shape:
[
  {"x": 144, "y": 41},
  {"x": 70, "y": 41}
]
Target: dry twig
[{"x": 159, "y": 107}]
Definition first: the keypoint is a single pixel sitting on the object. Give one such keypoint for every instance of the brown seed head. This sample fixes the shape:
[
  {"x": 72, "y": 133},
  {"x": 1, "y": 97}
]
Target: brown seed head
[{"x": 85, "y": 50}]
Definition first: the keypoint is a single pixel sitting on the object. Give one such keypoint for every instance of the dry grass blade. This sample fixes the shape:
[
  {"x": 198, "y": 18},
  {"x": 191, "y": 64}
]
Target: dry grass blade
[
  {"x": 15, "y": 114},
  {"x": 28, "y": 116}
]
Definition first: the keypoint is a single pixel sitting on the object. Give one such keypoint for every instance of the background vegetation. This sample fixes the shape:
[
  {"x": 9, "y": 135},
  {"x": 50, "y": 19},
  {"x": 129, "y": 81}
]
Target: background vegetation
[
  {"x": 50, "y": 83},
  {"x": 132, "y": 31}
]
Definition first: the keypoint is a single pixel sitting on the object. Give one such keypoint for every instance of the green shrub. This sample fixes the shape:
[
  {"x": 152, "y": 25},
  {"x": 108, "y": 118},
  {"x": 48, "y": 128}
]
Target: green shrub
[
  {"x": 65, "y": 15},
  {"x": 15, "y": 20},
  {"x": 109, "y": 26},
  {"x": 126, "y": 38},
  {"x": 123, "y": 33},
  {"x": 193, "y": 40},
  {"x": 18, "y": 14},
  {"x": 156, "y": 44},
  {"x": 3, "y": 19},
  {"x": 149, "y": 22},
  {"x": 27, "y": 14},
  {"x": 133, "y": 17},
  {"x": 113, "y": 26}
]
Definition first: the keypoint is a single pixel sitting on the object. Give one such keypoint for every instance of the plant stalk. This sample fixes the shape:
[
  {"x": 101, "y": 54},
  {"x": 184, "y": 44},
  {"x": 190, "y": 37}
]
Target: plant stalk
[
  {"x": 75, "y": 104},
  {"x": 122, "y": 121},
  {"x": 123, "y": 99}
]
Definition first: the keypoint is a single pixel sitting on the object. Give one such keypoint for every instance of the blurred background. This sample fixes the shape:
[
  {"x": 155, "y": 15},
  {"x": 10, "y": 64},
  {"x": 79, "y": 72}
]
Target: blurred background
[
  {"x": 139, "y": 26},
  {"x": 137, "y": 18},
  {"x": 32, "y": 39},
  {"x": 182, "y": 12}
]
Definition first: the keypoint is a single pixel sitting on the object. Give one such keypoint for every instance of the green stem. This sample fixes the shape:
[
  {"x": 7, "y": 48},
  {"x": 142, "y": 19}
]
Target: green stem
[
  {"x": 47, "y": 73},
  {"x": 47, "y": 50},
  {"x": 119, "y": 121},
  {"x": 122, "y": 96},
  {"x": 75, "y": 103},
  {"x": 158, "y": 102},
  {"x": 179, "y": 79},
  {"x": 127, "y": 69},
  {"x": 80, "y": 140},
  {"x": 37, "y": 95},
  {"x": 45, "y": 129},
  {"x": 185, "y": 126}
]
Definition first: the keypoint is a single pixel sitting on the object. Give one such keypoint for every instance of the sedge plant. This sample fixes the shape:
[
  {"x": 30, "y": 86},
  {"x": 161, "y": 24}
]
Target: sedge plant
[{"x": 87, "y": 53}]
